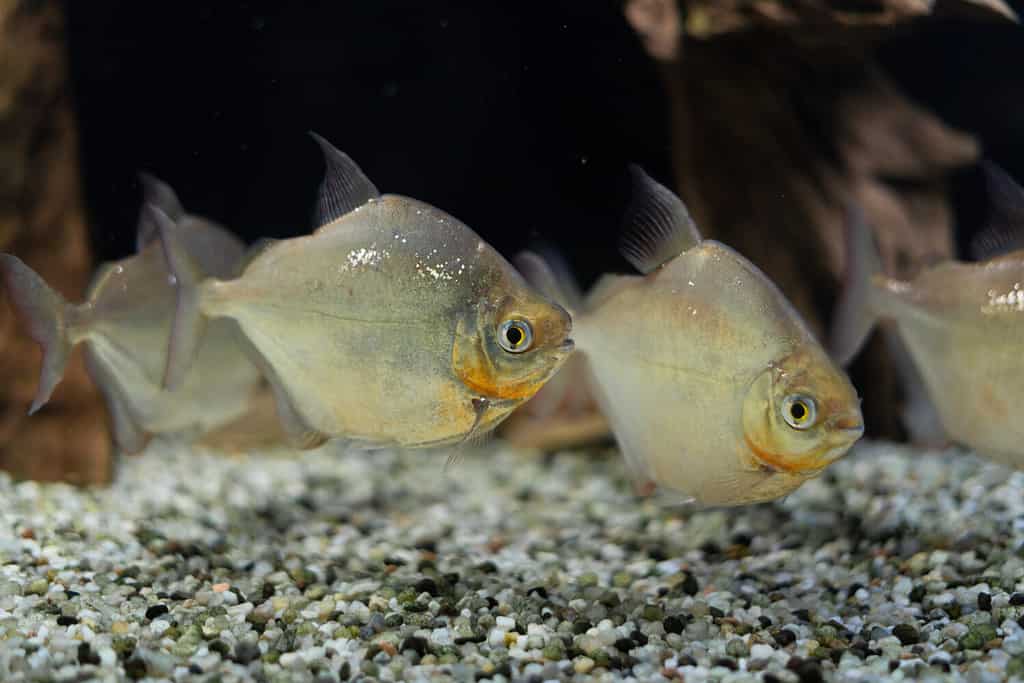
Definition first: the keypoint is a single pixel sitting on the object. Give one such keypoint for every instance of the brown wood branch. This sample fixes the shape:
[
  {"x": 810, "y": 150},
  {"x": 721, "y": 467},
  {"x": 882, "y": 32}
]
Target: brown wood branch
[{"x": 42, "y": 221}]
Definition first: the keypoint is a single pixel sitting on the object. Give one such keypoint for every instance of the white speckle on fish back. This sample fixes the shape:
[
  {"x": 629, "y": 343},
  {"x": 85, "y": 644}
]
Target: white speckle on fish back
[
  {"x": 365, "y": 257},
  {"x": 1005, "y": 302}
]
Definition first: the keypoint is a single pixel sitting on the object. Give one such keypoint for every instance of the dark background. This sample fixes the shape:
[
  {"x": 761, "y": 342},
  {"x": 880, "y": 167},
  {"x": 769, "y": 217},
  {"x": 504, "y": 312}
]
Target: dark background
[{"x": 518, "y": 118}]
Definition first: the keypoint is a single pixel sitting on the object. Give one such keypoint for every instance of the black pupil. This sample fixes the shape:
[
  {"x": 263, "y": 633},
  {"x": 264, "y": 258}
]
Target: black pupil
[
  {"x": 798, "y": 411},
  {"x": 514, "y": 336}
]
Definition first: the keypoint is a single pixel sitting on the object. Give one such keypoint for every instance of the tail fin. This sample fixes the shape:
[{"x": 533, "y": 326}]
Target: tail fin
[
  {"x": 45, "y": 313},
  {"x": 854, "y": 316},
  {"x": 189, "y": 323}
]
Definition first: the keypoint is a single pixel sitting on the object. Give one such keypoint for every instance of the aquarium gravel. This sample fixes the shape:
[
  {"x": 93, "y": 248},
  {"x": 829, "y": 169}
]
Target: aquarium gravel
[{"x": 508, "y": 566}]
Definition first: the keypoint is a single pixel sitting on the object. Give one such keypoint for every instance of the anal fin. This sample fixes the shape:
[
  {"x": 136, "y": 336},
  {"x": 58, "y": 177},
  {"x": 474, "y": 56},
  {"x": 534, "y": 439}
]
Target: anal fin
[
  {"x": 299, "y": 433},
  {"x": 131, "y": 438}
]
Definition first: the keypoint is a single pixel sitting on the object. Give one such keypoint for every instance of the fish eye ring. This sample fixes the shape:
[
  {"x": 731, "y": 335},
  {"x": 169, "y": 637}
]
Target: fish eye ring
[
  {"x": 799, "y": 411},
  {"x": 515, "y": 336}
]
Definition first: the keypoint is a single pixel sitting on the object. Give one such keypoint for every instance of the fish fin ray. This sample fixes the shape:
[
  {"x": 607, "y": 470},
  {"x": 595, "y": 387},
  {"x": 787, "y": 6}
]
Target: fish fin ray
[
  {"x": 158, "y": 193},
  {"x": 188, "y": 323},
  {"x": 344, "y": 187},
  {"x": 658, "y": 227},
  {"x": 1004, "y": 228},
  {"x": 854, "y": 317},
  {"x": 45, "y": 314}
]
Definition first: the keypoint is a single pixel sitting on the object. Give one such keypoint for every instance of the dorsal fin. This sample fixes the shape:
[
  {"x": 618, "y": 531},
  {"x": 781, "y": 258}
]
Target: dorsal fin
[
  {"x": 1004, "y": 229},
  {"x": 541, "y": 273},
  {"x": 344, "y": 187},
  {"x": 657, "y": 225},
  {"x": 159, "y": 194}
]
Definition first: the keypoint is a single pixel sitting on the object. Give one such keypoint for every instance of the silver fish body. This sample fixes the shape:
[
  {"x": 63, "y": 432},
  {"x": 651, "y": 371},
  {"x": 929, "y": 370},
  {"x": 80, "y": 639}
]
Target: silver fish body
[
  {"x": 381, "y": 327},
  {"x": 698, "y": 363},
  {"x": 962, "y": 325}
]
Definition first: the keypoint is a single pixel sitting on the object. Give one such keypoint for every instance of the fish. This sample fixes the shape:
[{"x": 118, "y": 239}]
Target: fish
[
  {"x": 124, "y": 324},
  {"x": 716, "y": 391},
  {"x": 392, "y": 325},
  {"x": 962, "y": 323}
]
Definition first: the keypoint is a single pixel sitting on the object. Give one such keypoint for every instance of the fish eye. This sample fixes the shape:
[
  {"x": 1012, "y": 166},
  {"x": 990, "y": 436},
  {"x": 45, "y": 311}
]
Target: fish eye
[
  {"x": 799, "y": 411},
  {"x": 515, "y": 336}
]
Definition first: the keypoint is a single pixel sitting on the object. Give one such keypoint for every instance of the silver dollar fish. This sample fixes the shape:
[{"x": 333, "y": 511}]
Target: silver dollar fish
[
  {"x": 714, "y": 387},
  {"x": 392, "y": 324},
  {"x": 962, "y": 324},
  {"x": 125, "y": 323}
]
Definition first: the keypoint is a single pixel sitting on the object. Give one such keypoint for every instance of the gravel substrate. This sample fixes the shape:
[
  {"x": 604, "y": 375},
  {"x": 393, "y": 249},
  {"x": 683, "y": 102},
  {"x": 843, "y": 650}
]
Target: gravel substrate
[{"x": 336, "y": 566}]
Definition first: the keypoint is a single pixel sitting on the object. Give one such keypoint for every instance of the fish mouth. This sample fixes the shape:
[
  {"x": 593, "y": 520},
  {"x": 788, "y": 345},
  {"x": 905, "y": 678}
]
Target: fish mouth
[{"x": 567, "y": 347}]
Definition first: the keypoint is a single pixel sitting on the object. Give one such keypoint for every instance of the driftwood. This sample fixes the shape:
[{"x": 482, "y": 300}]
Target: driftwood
[{"x": 42, "y": 221}]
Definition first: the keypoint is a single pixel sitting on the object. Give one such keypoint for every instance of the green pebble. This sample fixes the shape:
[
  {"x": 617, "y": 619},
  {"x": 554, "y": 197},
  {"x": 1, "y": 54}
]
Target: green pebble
[
  {"x": 271, "y": 657},
  {"x": 737, "y": 648},
  {"x": 977, "y": 636},
  {"x": 290, "y": 615},
  {"x": 394, "y": 620},
  {"x": 37, "y": 587},
  {"x": 622, "y": 580},
  {"x": 1015, "y": 667},
  {"x": 316, "y": 591},
  {"x": 652, "y": 613},
  {"x": 587, "y": 579},
  {"x": 123, "y": 645},
  {"x": 306, "y": 628},
  {"x": 825, "y": 633},
  {"x": 601, "y": 658},
  {"x": 554, "y": 650}
]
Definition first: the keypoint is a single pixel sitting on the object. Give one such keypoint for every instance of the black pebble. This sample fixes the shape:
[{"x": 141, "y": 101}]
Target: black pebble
[
  {"x": 917, "y": 594},
  {"x": 86, "y": 655},
  {"x": 540, "y": 591},
  {"x": 487, "y": 568},
  {"x": 807, "y": 671},
  {"x": 66, "y": 621},
  {"x": 941, "y": 664},
  {"x": 624, "y": 644},
  {"x": 907, "y": 634},
  {"x": 220, "y": 647},
  {"x": 195, "y": 669},
  {"x": 673, "y": 624},
  {"x": 726, "y": 662},
  {"x": 416, "y": 644},
  {"x": 135, "y": 668},
  {"x": 156, "y": 611},
  {"x": 785, "y": 637},
  {"x": 426, "y": 585},
  {"x": 690, "y": 585},
  {"x": 687, "y": 660},
  {"x": 715, "y": 612},
  {"x": 71, "y": 594},
  {"x": 764, "y": 621},
  {"x": 638, "y": 637},
  {"x": 802, "y": 615},
  {"x": 985, "y": 602},
  {"x": 1017, "y": 599},
  {"x": 246, "y": 652},
  {"x": 771, "y": 678},
  {"x": 581, "y": 626},
  {"x": 893, "y": 665}
]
